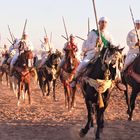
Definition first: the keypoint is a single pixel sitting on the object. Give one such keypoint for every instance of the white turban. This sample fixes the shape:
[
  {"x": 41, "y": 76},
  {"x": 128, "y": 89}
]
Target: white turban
[
  {"x": 137, "y": 21},
  {"x": 103, "y": 19},
  {"x": 25, "y": 33}
]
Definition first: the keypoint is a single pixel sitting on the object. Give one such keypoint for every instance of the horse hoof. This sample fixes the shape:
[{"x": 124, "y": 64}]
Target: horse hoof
[
  {"x": 97, "y": 138},
  {"x": 55, "y": 100},
  {"x": 18, "y": 103},
  {"x": 82, "y": 134},
  {"x": 130, "y": 119}
]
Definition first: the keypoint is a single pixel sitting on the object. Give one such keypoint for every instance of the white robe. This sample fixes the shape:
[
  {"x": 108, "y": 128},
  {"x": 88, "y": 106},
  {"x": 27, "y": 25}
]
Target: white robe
[{"x": 133, "y": 50}]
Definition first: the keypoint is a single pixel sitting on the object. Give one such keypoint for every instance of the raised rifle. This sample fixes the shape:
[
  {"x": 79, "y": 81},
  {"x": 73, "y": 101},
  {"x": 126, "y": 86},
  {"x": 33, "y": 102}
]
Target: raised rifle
[
  {"x": 63, "y": 37},
  {"x": 11, "y": 33},
  {"x": 80, "y": 38},
  {"x": 10, "y": 41},
  {"x": 24, "y": 28},
  {"x": 88, "y": 26},
  {"x": 96, "y": 19},
  {"x": 134, "y": 25},
  {"x": 65, "y": 28}
]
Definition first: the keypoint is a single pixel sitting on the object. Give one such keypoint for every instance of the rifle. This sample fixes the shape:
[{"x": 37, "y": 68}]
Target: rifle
[
  {"x": 80, "y": 38},
  {"x": 10, "y": 33},
  {"x": 134, "y": 25},
  {"x": 45, "y": 31},
  {"x": 88, "y": 26},
  {"x": 24, "y": 27},
  {"x": 96, "y": 19},
  {"x": 41, "y": 41},
  {"x": 63, "y": 37},
  {"x": 65, "y": 28},
  {"x": 10, "y": 41}
]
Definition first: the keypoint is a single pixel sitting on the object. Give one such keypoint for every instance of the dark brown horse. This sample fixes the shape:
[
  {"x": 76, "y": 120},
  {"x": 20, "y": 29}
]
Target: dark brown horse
[
  {"x": 130, "y": 79},
  {"x": 66, "y": 76},
  {"x": 46, "y": 74}
]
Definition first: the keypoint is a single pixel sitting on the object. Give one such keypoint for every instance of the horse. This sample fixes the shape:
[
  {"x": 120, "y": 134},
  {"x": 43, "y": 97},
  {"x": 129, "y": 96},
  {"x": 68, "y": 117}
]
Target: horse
[
  {"x": 66, "y": 76},
  {"x": 22, "y": 73},
  {"x": 4, "y": 68},
  {"x": 128, "y": 79},
  {"x": 97, "y": 82},
  {"x": 46, "y": 74}
]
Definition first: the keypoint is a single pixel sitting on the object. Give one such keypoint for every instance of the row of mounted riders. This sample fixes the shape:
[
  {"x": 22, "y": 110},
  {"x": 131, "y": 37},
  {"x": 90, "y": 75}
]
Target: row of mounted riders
[{"x": 95, "y": 70}]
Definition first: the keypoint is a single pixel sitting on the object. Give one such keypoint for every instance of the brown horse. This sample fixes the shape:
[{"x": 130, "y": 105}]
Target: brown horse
[
  {"x": 66, "y": 76},
  {"x": 23, "y": 75}
]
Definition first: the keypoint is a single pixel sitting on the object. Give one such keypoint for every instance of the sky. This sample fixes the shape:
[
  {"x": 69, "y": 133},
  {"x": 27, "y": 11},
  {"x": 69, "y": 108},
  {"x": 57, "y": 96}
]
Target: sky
[{"x": 48, "y": 14}]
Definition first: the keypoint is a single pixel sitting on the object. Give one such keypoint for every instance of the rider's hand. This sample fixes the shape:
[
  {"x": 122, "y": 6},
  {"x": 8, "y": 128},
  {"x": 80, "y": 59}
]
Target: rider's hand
[{"x": 99, "y": 41}]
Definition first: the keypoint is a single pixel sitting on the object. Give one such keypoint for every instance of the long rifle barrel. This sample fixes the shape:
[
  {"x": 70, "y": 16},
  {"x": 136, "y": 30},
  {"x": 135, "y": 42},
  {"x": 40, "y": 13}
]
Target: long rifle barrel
[
  {"x": 63, "y": 37},
  {"x": 96, "y": 19},
  {"x": 80, "y": 38},
  {"x": 65, "y": 28},
  {"x": 24, "y": 28},
  {"x": 10, "y": 33},
  {"x": 134, "y": 25},
  {"x": 88, "y": 26},
  {"x": 45, "y": 31}
]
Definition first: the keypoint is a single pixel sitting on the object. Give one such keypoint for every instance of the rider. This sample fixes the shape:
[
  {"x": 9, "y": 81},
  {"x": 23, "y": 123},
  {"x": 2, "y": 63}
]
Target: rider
[
  {"x": 4, "y": 54},
  {"x": 70, "y": 45},
  {"x": 46, "y": 48},
  {"x": 27, "y": 47},
  {"x": 93, "y": 45},
  {"x": 134, "y": 45}
]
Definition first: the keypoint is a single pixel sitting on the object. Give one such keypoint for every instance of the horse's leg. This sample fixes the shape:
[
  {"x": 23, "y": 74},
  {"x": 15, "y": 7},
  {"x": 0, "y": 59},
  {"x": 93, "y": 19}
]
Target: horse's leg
[
  {"x": 100, "y": 121},
  {"x": 29, "y": 92},
  {"x": 68, "y": 97},
  {"x": 19, "y": 92},
  {"x": 73, "y": 90},
  {"x": 6, "y": 78},
  {"x": 132, "y": 103},
  {"x": 127, "y": 100},
  {"x": 54, "y": 83},
  {"x": 1, "y": 76},
  {"x": 65, "y": 94},
  {"x": 41, "y": 84},
  {"x": 89, "y": 123},
  {"x": 48, "y": 85}
]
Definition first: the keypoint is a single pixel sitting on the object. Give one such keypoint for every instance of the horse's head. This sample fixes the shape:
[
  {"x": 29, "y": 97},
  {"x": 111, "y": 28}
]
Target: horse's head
[
  {"x": 54, "y": 59},
  {"x": 112, "y": 54},
  {"x": 21, "y": 45},
  {"x": 113, "y": 59}
]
